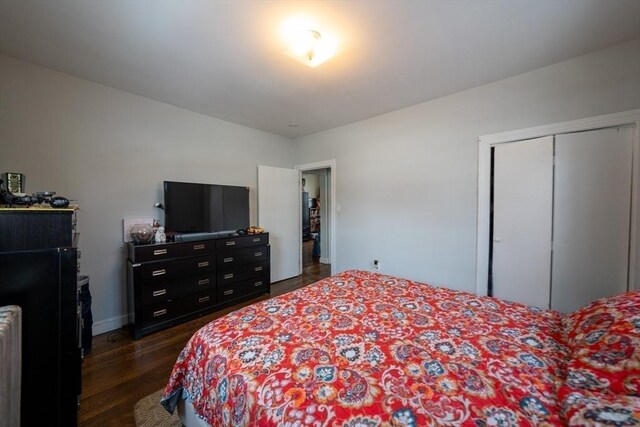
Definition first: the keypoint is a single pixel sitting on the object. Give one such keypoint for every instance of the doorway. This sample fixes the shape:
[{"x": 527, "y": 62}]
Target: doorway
[
  {"x": 314, "y": 218},
  {"x": 279, "y": 212},
  {"x": 317, "y": 222}
]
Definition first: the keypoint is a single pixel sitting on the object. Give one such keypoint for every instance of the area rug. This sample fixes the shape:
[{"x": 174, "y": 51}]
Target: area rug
[{"x": 149, "y": 413}]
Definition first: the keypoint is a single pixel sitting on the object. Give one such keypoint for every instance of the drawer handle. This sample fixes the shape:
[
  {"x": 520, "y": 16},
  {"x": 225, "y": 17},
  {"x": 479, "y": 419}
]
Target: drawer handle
[
  {"x": 203, "y": 299},
  {"x": 198, "y": 247},
  {"x": 160, "y": 252},
  {"x": 160, "y": 292},
  {"x": 228, "y": 276},
  {"x": 203, "y": 282},
  {"x": 230, "y": 243},
  {"x": 160, "y": 312},
  {"x": 230, "y": 259},
  {"x": 203, "y": 264},
  {"x": 258, "y": 283},
  {"x": 256, "y": 239},
  {"x": 159, "y": 272},
  {"x": 258, "y": 254},
  {"x": 229, "y": 292},
  {"x": 258, "y": 268}
]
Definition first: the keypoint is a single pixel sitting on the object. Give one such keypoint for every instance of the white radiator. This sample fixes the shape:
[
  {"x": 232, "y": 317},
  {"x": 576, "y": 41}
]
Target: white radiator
[{"x": 10, "y": 365}]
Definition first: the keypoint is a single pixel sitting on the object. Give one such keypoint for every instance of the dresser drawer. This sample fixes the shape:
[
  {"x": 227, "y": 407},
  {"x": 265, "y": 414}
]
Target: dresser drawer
[
  {"x": 198, "y": 265},
  {"x": 257, "y": 239},
  {"x": 199, "y": 301},
  {"x": 174, "y": 308},
  {"x": 244, "y": 256},
  {"x": 160, "y": 313},
  {"x": 237, "y": 290},
  {"x": 242, "y": 241},
  {"x": 204, "y": 247},
  {"x": 148, "y": 253},
  {"x": 242, "y": 272},
  {"x": 159, "y": 293},
  {"x": 259, "y": 286},
  {"x": 255, "y": 285},
  {"x": 193, "y": 284},
  {"x": 159, "y": 271}
]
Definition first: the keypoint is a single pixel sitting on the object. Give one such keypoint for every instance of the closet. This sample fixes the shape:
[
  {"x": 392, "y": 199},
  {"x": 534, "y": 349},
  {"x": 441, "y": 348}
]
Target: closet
[{"x": 560, "y": 217}]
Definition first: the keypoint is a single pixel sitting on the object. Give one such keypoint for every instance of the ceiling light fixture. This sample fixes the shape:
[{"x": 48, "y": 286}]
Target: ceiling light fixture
[{"x": 308, "y": 45}]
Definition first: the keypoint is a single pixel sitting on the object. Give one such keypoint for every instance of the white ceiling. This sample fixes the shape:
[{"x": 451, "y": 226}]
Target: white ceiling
[{"x": 224, "y": 58}]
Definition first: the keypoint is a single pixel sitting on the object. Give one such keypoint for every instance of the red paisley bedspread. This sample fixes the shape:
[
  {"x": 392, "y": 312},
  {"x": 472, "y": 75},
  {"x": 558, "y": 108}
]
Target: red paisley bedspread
[{"x": 363, "y": 349}]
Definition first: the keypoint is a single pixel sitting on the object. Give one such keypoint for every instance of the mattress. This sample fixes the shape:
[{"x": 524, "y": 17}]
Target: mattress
[{"x": 366, "y": 349}]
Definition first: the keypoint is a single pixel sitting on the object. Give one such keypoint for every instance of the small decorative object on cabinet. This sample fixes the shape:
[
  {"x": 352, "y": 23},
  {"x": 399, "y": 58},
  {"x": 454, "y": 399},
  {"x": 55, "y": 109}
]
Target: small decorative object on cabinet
[
  {"x": 171, "y": 283},
  {"x": 161, "y": 237},
  {"x": 142, "y": 233},
  {"x": 13, "y": 182}
]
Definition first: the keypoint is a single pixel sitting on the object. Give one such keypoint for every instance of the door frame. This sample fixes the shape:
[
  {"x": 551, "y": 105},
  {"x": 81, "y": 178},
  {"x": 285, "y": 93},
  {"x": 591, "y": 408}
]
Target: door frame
[
  {"x": 331, "y": 165},
  {"x": 486, "y": 142}
]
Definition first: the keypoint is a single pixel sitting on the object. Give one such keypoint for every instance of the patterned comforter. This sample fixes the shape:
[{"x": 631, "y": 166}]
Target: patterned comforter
[{"x": 363, "y": 349}]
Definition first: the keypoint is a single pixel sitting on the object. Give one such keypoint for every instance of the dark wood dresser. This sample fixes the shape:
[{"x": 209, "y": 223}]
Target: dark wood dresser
[
  {"x": 38, "y": 272},
  {"x": 171, "y": 283}
]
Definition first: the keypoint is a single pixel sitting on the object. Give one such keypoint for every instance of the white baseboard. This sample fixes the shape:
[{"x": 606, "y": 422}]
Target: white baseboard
[
  {"x": 324, "y": 260},
  {"x": 108, "y": 325}
]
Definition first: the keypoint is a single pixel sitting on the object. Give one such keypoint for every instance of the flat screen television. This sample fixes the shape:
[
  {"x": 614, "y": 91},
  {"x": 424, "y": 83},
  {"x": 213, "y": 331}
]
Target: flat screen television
[{"x": 205, "y": 208}]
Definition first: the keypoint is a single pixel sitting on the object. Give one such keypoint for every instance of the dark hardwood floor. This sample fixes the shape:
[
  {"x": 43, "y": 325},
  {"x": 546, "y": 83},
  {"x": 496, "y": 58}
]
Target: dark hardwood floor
[{"x": 121, "y": 371}]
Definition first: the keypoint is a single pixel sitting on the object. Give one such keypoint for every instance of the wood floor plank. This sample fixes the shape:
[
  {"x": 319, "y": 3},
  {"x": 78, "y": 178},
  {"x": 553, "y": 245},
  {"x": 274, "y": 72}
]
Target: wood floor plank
[{"x": 121, "y": 371}]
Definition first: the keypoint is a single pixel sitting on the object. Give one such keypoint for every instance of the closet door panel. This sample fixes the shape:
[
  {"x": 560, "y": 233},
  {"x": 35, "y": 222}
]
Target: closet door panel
[
  {"x": 591, "y": 216},
  {"x": 523, "y": 195}
]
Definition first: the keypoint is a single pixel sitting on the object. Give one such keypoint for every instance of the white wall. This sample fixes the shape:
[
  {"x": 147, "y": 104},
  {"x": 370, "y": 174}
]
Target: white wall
[
  {"x": 407, "y": 180},
  {"x": 311, "y": 185},
  {"x": 111, "y": 150}
]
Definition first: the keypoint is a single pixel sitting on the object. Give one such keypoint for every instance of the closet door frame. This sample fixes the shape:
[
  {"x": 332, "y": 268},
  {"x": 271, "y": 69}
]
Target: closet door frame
[{"x": 486, "y": 142}]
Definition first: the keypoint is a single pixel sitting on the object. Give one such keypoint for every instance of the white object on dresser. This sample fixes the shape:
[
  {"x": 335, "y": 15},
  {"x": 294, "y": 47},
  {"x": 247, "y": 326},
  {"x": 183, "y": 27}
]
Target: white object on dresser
[{"x": 160, "y": 236}]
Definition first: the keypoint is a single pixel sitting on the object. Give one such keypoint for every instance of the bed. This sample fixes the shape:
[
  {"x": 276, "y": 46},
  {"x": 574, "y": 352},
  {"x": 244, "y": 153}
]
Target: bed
[{"x": 364, "y": 349}]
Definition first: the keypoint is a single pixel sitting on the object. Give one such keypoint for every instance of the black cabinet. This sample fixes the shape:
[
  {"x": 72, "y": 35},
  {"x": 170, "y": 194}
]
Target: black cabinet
[
  {"x": 43, "y": 282},
  {"x": 171, "y": 283},
  {"x": 31, "y": 228}
]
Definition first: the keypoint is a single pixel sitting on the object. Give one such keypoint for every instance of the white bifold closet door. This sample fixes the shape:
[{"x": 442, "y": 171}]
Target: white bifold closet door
[
  {"x": 561, "y": 231},
  {"x": 591, "y": 216},
  {"x": 522, "y": 201}
]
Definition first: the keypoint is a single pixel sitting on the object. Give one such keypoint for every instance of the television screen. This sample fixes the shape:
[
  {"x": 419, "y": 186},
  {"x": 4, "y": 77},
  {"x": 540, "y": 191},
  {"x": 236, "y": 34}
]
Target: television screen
[{"x": 203, "y": 208}]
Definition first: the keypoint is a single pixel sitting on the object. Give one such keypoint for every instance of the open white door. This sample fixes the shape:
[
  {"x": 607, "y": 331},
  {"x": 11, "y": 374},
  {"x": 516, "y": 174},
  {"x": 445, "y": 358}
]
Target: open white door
[{"x": 279, "y": 214}]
